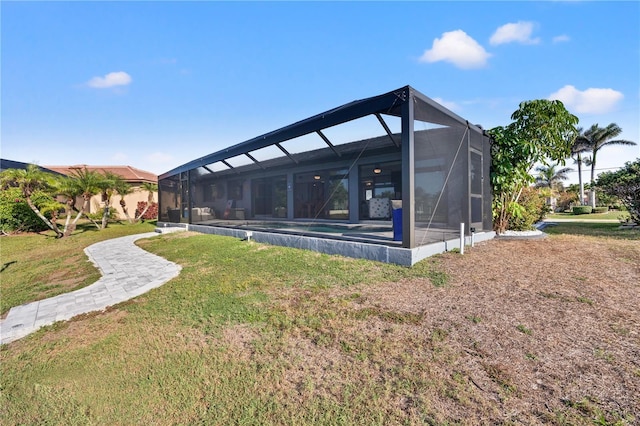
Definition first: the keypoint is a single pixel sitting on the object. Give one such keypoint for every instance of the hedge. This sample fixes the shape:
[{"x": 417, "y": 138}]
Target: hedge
[
  {"x": 582, "y": 209},
  {"x": 601, "y": 209}
]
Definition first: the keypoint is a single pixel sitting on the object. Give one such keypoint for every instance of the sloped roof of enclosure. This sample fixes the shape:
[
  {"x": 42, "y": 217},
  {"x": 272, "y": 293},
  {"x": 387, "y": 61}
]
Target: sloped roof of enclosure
[{"x": 386, "y": 104}]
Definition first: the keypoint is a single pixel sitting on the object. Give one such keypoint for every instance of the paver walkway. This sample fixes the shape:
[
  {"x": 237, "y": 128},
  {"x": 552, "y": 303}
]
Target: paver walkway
[{"x": 127, "y": 272}]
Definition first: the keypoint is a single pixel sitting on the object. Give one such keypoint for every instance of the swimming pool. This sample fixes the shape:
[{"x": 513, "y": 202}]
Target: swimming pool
[{"x": 327, "y": 228}]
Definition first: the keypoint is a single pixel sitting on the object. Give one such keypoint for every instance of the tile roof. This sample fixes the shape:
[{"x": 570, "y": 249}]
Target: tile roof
[{"x": 130, "y": 174}]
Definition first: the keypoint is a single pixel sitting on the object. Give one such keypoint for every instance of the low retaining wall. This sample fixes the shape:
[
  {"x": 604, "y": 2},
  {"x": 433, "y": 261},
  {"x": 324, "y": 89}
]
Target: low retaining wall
[{"x": 358, "y": 250}]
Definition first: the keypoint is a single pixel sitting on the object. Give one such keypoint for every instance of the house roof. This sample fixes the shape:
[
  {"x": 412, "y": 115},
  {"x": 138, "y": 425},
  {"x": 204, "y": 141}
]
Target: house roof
[
  {"x": 10, "y": 164},
  {"x": 390, "y": 103},
  {"x": 130, "y": 174}
]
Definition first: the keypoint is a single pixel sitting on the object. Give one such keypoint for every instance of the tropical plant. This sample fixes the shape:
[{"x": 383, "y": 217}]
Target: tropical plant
[
  {"x": 151, "y": 188},
  {"x": 151, "y": 210},
  {"x": 86, "y": 183},
  {"x": 624, "y": 184},
  {"x": 541, "y": 131},
  {"x": 109, "y": 187},
  {"x": 16, "y": 216},
  {"x": 551, "y": 177},
  {"x": 66, "y": 189},
  {"x": 595, "y": 138},
  {"x": 533, "y": 209},
  {"x": 29, "y": 181},
  {"x": 123, "y": 189},
  {"x": 567, "y": 197}
]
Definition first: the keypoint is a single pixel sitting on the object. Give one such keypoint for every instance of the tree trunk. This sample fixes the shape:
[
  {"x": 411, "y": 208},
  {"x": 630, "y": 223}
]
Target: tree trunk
[
  {"x": 69, "y": 203},
  {"x": 149, "y": 201},
  {"x": 142, "y": 212},
  {"x": 50, "y": 224},
  {"x": 105, "y": 213},
  {"x": 123, "y": 204},
  {"x": 581, "y": 183},
  {"x": 593, "y": 181},
  {"x": 82, "y": 211}
]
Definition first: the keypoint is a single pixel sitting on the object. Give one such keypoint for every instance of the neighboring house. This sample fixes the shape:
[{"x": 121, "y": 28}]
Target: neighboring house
[{"x": 134, "y": 177}]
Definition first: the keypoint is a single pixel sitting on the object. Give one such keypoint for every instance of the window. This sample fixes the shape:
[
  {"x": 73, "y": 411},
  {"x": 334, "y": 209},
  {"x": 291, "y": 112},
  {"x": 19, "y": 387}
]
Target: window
[
  {"x": 212, "y": 191},
  {"x": 322, "y": 194},
  {"x": 235, "y": 189}
]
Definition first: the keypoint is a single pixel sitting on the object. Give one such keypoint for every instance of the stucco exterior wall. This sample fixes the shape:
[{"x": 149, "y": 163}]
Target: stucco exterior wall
[{"x": 131, "y": 201}]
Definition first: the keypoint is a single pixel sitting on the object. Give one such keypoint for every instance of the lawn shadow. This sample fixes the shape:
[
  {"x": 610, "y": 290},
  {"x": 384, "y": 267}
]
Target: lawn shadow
[{"x": 7, "y": 264}]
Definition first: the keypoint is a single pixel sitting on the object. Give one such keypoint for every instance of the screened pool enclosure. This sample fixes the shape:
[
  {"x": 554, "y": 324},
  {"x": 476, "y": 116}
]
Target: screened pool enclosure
[{"x": 390, "y": 174}]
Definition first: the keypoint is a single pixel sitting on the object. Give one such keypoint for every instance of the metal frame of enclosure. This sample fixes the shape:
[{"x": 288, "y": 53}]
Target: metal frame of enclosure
[{"x": 359, "y": 163}]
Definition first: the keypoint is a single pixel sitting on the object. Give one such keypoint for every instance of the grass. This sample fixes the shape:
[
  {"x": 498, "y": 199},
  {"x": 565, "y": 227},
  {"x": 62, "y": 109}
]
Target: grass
[
  {"x": 37, "y": 266},
  {"x": 154, "y": 355},
  {"x": 248, "y": 334},
  {"x": 602, "y": 230},
  {"x": 610, "y": 215}
]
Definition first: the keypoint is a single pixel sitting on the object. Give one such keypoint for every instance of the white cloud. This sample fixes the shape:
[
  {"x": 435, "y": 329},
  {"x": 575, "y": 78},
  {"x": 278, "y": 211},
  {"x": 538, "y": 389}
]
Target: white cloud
[
  {"x": 118, "y": 78},
  {"x": 590, "y": 101},
  {"x": 447, "y": 104},
  {"x": 459, "y": 49},
  {"x": 519, "y": 32},
  {"x": 561, "y": 38}
]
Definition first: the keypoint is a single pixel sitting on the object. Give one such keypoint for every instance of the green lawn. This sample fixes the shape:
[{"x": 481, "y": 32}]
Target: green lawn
[
  {"x": 611, "y": 215},
  {"x": 593, "y": 229},
  {"x": 37, "y": 266}
]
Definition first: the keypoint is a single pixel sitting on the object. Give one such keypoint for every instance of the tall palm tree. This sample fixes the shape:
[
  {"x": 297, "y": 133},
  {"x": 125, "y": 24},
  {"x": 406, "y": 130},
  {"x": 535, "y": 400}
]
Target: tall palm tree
[
  {"x": 595, "y": 138},
  {"x": 30, "y": 180},
  {"x": 551, "y": 177},
  {"x": 578, "y": 148}
]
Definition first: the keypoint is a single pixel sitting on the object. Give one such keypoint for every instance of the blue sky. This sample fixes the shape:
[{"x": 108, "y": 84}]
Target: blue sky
[{"x": 156, "y": 84}]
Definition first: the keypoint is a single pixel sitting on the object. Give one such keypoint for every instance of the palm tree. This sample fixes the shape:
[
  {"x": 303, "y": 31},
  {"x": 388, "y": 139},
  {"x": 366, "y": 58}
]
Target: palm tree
[
  {"x": 87, "y": 183},
  {"x": 595, "y": 138},
  {"x": 550, "y": 177},
  {"x": 151, "y": 188},
  {"x": 578, "y": 148},
  {"x": 29, "y": 180},
  {"x": 123, "y": 189},
  {"x": 108, "y": 187},
  {"x": 67, "y": 189}
]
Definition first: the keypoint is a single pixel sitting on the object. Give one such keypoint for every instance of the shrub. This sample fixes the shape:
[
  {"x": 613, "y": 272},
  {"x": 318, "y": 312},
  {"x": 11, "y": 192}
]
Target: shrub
[
  {"x": 582, "y": 209},
  {"x": 113, "y": 214},
  {"x": 151, "y": 214},
  {"x": 17, "y": 216},
  {"x": 532, "y": 208},
  {"x": 600, "y": 209},
  {"x": 565, "y": 199},
  {"x": 624, "y": 184}
]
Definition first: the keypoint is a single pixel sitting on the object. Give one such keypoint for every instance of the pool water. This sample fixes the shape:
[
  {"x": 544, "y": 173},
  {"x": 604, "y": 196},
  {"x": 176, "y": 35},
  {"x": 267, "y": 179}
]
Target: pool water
[{"x": 324, "y": 228}]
